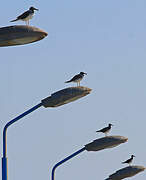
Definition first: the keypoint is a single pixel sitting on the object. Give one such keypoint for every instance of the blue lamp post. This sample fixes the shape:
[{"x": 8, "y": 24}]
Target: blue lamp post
[
  {"x": 4, "y": 158},
  {"x": 56, "y": 99}
]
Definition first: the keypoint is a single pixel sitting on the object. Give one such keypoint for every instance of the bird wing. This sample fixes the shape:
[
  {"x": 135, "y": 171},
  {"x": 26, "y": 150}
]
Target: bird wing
[
  {"x": 127, "y": 161},
  {"x": 75, "y": 77},
  {"x": 124, "y": 162},
  {"x": 103, "y": 129},
  {"x": 24, "y": 15}
]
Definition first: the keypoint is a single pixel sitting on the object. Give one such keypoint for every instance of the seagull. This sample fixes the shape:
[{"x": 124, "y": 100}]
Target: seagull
[
  {"x": 26, "y": 16},
  {"x": 106, "y": 129},
  {"x": 129, "y": 161},
  {"x": 77, "y": 78}
]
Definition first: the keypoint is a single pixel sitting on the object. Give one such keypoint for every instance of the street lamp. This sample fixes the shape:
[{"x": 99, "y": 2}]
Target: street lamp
[
  {"x": 19, "y": 35},
  {"x": 126, "y": 172},
  {"x": 96, "y": 145},
  {"x": 56, "y": 99}
]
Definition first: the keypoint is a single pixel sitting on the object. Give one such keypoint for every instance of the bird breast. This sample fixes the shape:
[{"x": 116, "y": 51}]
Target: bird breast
[
  {"x": 78, "y": 80},
  {"x": 28, "y": 17}
]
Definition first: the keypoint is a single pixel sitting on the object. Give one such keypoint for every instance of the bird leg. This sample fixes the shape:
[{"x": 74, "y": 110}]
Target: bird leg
[{"x": 27, "y": 23}]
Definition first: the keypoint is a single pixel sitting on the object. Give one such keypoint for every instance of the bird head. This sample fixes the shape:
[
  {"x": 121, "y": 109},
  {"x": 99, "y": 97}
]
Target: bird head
[
  {"x": 33, "y": 8},
  {"x": 110, "y": 125},
  {"x": 132, "y": 156},
  {"x": 83, "y": 73}
]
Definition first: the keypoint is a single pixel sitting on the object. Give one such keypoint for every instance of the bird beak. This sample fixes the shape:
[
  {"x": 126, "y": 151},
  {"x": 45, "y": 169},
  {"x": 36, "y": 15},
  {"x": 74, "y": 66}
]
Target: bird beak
[
  {"x": 36, "y": 9},
  {"x": 85, "y": 73}
]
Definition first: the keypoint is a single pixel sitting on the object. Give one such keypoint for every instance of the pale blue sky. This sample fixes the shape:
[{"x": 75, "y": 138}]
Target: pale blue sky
[{"x": 106, "y": 39}]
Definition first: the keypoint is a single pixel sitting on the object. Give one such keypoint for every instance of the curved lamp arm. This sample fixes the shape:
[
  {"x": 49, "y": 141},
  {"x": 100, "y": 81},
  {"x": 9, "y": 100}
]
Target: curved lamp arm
[
  {"x": 64, "y": 160},
  {"x": 96, "y": 145},
  {"x": 56, "y": 99},
  {"x": 4, "y": 159}
]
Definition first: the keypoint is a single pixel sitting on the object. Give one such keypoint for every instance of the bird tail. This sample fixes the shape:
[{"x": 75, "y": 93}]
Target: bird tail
[
  {"x": 98, "y": 131},
  {"x": 14, "y": 20},
  {"x": 67, "y": 81}
]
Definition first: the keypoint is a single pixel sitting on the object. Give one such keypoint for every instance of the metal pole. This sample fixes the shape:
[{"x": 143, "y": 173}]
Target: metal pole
[
  {"x": 64, "y": 160},
  {"x": 4, "y": 158}
]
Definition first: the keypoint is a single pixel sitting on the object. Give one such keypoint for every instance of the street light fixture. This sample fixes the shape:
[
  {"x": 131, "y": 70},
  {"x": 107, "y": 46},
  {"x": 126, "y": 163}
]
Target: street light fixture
[
  {"x": 96, "y": 145},
  {"x": 56, "y": 99},
  {"x": 126, "y": 172},
  {"x": 19, "y": 35}
]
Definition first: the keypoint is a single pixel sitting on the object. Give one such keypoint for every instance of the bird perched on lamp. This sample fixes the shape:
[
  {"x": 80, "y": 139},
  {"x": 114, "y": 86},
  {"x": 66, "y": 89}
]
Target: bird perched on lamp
[
  {"x": 26, "y": 16},
  {"x": 129, "y": 161},
  {"x": 106, "y": 129},
  {"x": 77, "y": 78}
]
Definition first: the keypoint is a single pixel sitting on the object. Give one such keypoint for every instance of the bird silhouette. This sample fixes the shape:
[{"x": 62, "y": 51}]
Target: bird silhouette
[
  {"x": 129, "y": 161},
  {"x": 26, "y": 16},
  {"x": 77, "y": 78},
  {"x": 106, "y": 129}
]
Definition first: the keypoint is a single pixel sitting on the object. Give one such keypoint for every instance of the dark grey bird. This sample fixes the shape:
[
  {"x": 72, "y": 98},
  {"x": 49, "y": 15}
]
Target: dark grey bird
[
  {"x": 129, "y": 161},
  {"x": 77, "y": 78},
  {"x": 106, "y": 129},
  {"x": 26, "y": 16}
]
